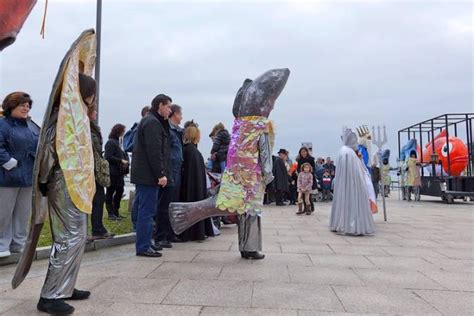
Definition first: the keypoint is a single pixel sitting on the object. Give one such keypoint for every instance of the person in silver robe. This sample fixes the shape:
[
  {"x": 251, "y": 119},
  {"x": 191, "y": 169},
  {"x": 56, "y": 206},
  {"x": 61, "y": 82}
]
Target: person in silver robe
[
  {"x": 351, "y": 212},
  {"x": 68, "y": 223}
]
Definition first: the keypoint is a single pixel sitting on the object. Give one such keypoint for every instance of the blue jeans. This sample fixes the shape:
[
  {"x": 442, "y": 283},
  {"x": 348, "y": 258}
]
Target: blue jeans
[
  {"x": 222, "y": 164},
  {"x": 146, "y": 198},
  {"x": 135, "y": 212}
]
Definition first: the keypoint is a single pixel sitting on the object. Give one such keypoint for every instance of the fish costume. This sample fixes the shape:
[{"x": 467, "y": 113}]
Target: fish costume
[
  {"x": 63, "y": 175},
  {"x": 248, "y": 168}
]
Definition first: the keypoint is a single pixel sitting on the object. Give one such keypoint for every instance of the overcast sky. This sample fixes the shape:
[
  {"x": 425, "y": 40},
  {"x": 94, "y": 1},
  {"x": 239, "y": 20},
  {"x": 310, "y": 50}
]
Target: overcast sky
[{"x": 352, "y": 63}]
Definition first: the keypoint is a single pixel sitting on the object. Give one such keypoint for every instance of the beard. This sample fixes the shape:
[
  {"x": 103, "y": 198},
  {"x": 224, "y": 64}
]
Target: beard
[{"x": 367, "y": 143}]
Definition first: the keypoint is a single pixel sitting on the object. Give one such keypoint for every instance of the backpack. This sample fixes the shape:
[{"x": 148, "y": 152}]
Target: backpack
[{"x": 128, "y": 138}]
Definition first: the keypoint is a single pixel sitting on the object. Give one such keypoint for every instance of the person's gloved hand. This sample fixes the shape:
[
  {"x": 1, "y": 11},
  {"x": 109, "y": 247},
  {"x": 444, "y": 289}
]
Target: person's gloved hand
[{"x": 43, "y": 187}]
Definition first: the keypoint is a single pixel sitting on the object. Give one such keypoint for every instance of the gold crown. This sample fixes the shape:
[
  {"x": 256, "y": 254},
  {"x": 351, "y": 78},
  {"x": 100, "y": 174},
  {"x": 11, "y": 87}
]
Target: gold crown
[{"x": 363, "y": 131}]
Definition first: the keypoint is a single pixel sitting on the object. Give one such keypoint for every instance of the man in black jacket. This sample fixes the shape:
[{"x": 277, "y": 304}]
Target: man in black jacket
[
  {"x": 150, "y": 169},
  {"x": 281, "y": 182}
]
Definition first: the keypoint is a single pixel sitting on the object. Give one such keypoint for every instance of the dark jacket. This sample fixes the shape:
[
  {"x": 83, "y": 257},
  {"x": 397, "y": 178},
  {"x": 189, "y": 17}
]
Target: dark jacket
[
  {"x": 97, "y": 142},
  {"x": 17, "y": 141},
  {"x": 282, "y": 178},
  {"x": 114, "y": 155},
  {"x": 151, "y": 150},
  {"x": 220, "y": 146},
  {"x": 176, "y": 154}
]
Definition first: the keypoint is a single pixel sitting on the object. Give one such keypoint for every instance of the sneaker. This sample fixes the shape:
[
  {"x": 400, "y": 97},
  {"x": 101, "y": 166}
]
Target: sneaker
[
  {"x": 54, "y": 307},
  {"x": 4, "y": 254},
  {"x": 78, "y": 295},
  {"x": 114, "y": 218}
]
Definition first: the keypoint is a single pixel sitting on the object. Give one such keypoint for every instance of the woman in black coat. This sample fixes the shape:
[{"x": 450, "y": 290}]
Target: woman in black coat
[
  {"x": 194, "y": 184},
  {"x": 119, "y": 167}
]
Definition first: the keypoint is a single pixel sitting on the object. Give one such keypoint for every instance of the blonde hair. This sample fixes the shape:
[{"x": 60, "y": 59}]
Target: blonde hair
[{"x": 192, "y": 135}]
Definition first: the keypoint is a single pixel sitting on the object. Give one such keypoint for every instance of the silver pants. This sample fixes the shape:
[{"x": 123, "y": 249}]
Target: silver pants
[
  {"x": 69, "y": 230},
  {"x": 250, "y": 233},
  {"x": 15, "y": 209}
]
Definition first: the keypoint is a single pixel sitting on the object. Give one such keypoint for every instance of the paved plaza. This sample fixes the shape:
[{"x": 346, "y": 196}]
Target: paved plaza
[{"x": 420, "y": 262}]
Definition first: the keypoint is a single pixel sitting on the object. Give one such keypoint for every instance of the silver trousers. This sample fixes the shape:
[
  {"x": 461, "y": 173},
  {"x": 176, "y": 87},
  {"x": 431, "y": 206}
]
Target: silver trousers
[
  {"x": 15, "y": 210},
  {"x": 250, "y": 233},
  {"x": 69, "y": 230}
]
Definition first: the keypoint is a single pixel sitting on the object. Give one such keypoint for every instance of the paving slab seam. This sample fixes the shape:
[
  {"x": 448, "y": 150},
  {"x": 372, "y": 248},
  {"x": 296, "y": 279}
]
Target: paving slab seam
[
  {"x": 427, "y": 302},
  {"x": 161, "y": 263},
  {"x": 443, "y": 286},
  {"x": 333, "y": 251},
  {"x": 169, "y": 292},
  {"x": 338, "y": 298}
]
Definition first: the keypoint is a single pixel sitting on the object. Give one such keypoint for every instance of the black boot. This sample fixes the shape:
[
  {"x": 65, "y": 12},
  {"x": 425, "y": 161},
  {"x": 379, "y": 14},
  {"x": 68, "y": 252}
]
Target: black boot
[
  {"x": 253, "y": 255},
  {"x": 54, "y": 307},
  {"x": 78, "y": 295},
  {"x": 308, "y": 209}
]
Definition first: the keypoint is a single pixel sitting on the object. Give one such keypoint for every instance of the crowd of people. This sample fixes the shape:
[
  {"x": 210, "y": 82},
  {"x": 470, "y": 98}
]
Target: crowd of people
[{"x": 294, "y": 185}]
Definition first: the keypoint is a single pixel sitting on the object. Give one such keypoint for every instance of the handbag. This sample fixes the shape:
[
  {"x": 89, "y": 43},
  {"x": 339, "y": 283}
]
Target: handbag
[{"x": 102, "y": 171}]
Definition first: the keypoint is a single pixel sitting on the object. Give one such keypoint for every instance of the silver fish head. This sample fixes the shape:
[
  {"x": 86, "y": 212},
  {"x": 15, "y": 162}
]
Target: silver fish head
[{"x": 257, "y": 98}]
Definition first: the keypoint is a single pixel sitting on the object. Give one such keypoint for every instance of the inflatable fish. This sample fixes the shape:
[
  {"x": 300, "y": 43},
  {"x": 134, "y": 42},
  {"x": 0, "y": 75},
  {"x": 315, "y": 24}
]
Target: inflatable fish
[
  {"x": 13, "y": 14},
  {"x": 458, "y": 153}
]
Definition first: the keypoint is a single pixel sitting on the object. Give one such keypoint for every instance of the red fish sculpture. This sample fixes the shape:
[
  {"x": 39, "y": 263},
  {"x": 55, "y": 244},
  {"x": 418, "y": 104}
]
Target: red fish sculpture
[
  {"x": 13, "y": 14},
  {"x": 458, "y": 153}
]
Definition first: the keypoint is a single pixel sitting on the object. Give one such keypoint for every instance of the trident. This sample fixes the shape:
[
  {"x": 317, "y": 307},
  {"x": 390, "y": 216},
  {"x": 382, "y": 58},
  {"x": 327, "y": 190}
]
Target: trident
[{"x": 379, "y": 142}]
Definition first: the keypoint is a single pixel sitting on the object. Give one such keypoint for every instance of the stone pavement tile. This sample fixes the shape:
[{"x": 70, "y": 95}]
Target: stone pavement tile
[
  {"x": 382, "y": 300},
  {"x": 455, "y": 281},
  {"x": 86, "y": 307},
  {"x": 458, "y": 244},
  {"x": 449, "y": 303},
  {"x": 186, "y": 270},
  {"x": 257, "y": 273},
  {"x": 175, "y": 255},
  {"x": 413, "y": 252},
  {"x": 211, "y": 293},
  {"x": 131, "y": 267},
  {"x": 38, "y": 268},
  {"x": 209, "y": 244},
  {"x": 297, "y": 232},
  {"x": 306, "y": 248},
  {"x": 455, "y": 265},
  {"x": 369, "y": 241},
  {"x": 284, "y": 259},
  {"x": 393, "y": 278},
  {"x": 359, "y": 250},
  {"x": 403, "y": 263},
  {"x": 221, "y": 311},
  {"x": 415, "y": 243},
  {"x": 343, "y": 261},
  {"x": 267, "y": 246},
  {"x": 30, "y": 289},
  {"x": 279, "y": 239},
  {"x": 319, "y": 313},
  {"x": 7, "y": 304},
  {"x": 221, "y": 257},
  {"x": 324, "y": 275},
  {"x": 295, "y": 296},
  {"x": 327, "y": 239},
  {"x": 134, "y": 290},
  {"x": 453, "y": 253},
  {"x": 127, "y": 309}
]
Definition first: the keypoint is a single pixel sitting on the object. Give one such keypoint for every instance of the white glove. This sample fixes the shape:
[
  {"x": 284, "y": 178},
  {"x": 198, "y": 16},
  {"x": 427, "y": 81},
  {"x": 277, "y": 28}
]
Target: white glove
[{"x": 10, "y": 164}]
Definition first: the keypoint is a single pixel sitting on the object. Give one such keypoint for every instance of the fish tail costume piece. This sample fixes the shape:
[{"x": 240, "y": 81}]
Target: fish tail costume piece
[
  {"x": 242, "y": 188},
  {"x": 65, "y": 165}
]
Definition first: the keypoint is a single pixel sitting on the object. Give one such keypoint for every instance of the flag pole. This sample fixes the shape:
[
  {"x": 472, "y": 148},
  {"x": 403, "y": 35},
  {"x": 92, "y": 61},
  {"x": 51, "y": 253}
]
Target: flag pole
[{"x": 97, "y": 64}]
